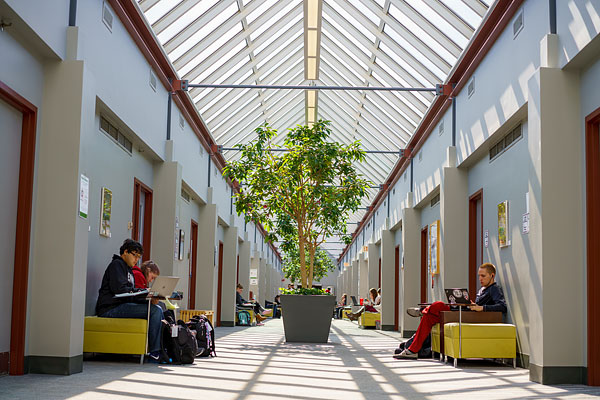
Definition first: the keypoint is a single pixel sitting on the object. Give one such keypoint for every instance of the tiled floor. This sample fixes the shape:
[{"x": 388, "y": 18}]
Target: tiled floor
[{"x": 256, "y": 363}]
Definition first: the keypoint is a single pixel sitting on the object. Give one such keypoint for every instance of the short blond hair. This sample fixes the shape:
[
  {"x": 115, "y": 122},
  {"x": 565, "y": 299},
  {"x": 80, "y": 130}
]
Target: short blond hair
[{"x": 489, "y": 267}]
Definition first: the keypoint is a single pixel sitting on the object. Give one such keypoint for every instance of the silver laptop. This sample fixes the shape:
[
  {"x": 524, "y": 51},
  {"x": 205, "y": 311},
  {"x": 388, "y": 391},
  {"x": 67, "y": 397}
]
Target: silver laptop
[{"x": 164, "y": 286}]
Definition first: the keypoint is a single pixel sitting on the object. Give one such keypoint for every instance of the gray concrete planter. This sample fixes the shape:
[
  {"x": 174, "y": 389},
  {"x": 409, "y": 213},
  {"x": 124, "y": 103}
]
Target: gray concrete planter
[{"x": 307, "y": 319}]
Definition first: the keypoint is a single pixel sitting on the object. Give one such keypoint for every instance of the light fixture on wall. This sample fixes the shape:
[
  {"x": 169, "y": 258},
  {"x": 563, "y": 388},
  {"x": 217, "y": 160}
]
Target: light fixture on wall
[{"x": 4, "y": 23}]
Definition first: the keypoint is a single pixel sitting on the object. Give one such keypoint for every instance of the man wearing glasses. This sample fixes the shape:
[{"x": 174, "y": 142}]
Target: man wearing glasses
[{"x": 118, "y": 279}]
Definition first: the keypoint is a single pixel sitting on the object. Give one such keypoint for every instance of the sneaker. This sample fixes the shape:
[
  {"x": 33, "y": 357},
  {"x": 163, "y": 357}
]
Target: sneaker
[
  {"x": 353, "y": 317},
  {"x": 154, "y": 357},
  {"x": 406, "y": 354},
  {"x": 414, "y": 312},
  {"x": 260, "y": 324}
]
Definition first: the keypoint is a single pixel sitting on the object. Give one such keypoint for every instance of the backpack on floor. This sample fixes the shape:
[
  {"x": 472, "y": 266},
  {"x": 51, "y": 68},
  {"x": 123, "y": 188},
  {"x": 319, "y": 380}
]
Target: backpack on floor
[
  {"x": 179, "y": 342},
  {"x": 205, "y": 335},
  {"x": 243, "y": 318},
  {"x": 424, "y": 352}
]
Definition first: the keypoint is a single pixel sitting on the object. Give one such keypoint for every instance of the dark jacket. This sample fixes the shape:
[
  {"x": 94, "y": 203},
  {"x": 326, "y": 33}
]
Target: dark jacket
[
  {"x": 239, "y": 300},
  {"x": 491, "y": 298},
  {"x": 118, "y": 278}
]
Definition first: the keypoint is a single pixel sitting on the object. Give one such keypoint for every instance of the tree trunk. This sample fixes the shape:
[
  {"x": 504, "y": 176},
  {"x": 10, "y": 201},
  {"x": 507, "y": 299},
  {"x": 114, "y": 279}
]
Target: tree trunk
[
  {"x": 301, "y": 253},
  {"x": 311, "y": 255}
]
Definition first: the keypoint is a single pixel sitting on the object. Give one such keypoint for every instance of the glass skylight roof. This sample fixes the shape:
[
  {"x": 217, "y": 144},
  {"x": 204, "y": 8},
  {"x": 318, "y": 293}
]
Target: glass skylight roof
[{"x": 408, "y": 43}]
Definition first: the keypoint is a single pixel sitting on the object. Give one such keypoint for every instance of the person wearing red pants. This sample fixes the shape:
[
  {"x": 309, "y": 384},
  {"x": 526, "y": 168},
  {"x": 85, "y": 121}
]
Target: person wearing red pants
[{"x": 489, "y": 298}]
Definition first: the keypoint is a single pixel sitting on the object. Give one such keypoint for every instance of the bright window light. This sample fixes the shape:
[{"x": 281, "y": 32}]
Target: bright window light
[
  {"x": 311, "y": 97},
  {"x": 312, "y": 13},
  {"x": 312, "y": 43},
  {"x": 311, "y": 72}
]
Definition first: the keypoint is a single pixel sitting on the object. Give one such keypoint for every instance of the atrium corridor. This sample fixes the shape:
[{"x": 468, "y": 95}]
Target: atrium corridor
[{"x": 256, "y": 363}]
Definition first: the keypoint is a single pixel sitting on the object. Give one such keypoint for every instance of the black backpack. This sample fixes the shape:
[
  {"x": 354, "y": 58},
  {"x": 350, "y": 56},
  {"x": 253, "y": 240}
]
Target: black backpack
[
  {"x": 182, "y": 348},
  {"x": 205, "y": 335},
  {"x": 243, "y": 318}
]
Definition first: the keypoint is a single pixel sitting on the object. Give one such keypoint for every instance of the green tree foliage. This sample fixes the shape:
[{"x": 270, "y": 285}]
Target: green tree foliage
[
  {"x": 322, "y": 265},
  {"x": 301, "y": 196}
]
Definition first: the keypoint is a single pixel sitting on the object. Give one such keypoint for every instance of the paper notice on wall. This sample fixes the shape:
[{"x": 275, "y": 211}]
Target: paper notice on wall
[
  {"x": 525, "y": 223},
  {"x": 486, "y": 238},
  {"x": 254, "y": 274},
  {"x": 253, "y": 281},
  {"x": 84, "y": 196}
]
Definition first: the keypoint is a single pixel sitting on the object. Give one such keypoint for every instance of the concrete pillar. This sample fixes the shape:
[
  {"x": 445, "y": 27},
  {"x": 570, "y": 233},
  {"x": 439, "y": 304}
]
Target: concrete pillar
[
  {"x": 60, "y": 237},
  {"x": 230, "y": 252},
  {"x": 411, "y": 274},
  {"x": 354, "y": 278},
  {"x": 388, "y": 283},
  {"x": 454, "y": 226},
  {"x": 244, "y": 248},
  {"x": 373, "y": 265},
  {"x": 556, "y": 327},
  {"x": 207, "y": 255},
  {"x": 254, "y": 268},
  {"x": 165, "y": 203},
  {"x": 262, "y": 280},
  {"x": 363, "y": 274},
  {"x": 268, "y": 295}
]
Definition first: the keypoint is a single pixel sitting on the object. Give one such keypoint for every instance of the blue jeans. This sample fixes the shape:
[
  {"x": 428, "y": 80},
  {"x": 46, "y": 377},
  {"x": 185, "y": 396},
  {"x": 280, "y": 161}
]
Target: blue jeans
[{"x": 140, "y": 310}]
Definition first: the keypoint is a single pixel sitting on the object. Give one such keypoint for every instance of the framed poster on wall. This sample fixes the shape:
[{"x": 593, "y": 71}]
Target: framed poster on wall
[
  {"x": 434, "y": 248},
  {"x": 181, "y": 243},
  {"x": 503, "y": 224},
  {"x": 105, "y": 212}
]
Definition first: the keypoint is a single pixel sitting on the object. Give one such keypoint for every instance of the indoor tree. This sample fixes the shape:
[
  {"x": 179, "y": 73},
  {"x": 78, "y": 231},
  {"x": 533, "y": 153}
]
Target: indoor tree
[
  {"x": 322, "y": 265},
  {"x": 302, "y": 195}
]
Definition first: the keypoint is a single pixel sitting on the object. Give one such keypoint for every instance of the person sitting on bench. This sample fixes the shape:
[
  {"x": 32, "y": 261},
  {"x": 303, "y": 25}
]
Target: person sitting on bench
[
  {"x": 489, "y": 298},
  {"x": 118, "y": 278},
  {"x": 373, "y": 305},
  {"x": 241, "y": 304}
]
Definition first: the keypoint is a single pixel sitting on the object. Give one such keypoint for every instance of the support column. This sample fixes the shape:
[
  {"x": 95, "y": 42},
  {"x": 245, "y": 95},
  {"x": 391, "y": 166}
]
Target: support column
[
  {"x": 411, "y": 276},
  {"x": 388, "y": 284},
  {"x": 244, "y": 254},
  {"x": 556, "y": 328},
  {"x": 363, "y": 274},
  {"x": 262, "y": 280},
  {"x": 230, "y": 252},
  {"x": 354, "y": 279},
  {"x": 254, "y": 268},
  {"x": 373, "y": 264},
  {"x": 55, "y": 320},
  {"x": 207, "y": 255},
  {"x": 454, "y": 226},
  {"x": 165, "y": 205}
]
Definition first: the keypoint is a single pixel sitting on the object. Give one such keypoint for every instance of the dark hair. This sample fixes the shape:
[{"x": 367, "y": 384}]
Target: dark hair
[
  {"x": 373, "y": 293},
  {"x": 149, "y": 266},
  {"x": 130, "y": 246},
  {"x": 239, "y": 286},
  {"x": 489, "y": 267}
]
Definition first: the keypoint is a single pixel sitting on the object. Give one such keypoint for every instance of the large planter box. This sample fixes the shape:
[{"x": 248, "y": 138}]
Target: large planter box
[{"x": 307, "y": 319}]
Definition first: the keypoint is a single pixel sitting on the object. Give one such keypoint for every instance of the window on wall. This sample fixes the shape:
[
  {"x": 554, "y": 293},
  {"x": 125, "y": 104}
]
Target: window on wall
[
  {"x": 111, "y": 130},
  {"x": 185, "y": 195},
  {"x": 507, "y": 141},
  {"x": 435, "y": 200}
]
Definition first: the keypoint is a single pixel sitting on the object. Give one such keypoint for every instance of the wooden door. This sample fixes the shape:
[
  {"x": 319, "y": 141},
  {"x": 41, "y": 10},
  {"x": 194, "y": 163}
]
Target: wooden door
[
  {"x": 193, "y": 263},
  {"x": 397, "y": 288},
  {"x": 142, "y": 216},
  {"x": 424, "y": 238},
  {"x": 220, "y": 284},
  {"x": 475, "y": 240}
]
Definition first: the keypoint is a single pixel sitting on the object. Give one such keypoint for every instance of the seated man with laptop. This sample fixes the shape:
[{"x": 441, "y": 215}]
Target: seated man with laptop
[
  {"x": 489, "y": 298},
  {"x": 119, "y": 298}
]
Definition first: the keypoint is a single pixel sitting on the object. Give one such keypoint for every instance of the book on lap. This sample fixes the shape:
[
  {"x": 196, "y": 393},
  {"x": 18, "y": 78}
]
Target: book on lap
[{"x": 132, "y": 294}]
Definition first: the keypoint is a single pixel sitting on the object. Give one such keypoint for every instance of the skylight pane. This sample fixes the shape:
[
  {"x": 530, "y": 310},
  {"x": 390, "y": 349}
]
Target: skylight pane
[
  {"x": 282, "y": 48},
  {"x": 185, "y": 20},
  {"x": 422, "y": 35},
  {"x": 460, "y": 8},
  {"x": 264, "y": 25},
  {"x": 263, "y": 8},
  {"x": 439, "y": 22},
  {"x": 160, "y": 9},
  {"x": 205, "y": 31},
  {"x": 353, "y": 21},
  {"x": 273, "y": 38},
  {"x": 366, "y": 52}
]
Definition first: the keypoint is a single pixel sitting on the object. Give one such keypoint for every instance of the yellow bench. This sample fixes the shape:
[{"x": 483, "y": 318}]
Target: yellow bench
[
  {"x": 480, "y": 341},
  {"x": 345, "y": 313},
  {"x": 368, "y": 319},
  {"x": 115, "y": 335},
  {"x": 435, "y": 339},
  {"x": 186, "y": 315}
]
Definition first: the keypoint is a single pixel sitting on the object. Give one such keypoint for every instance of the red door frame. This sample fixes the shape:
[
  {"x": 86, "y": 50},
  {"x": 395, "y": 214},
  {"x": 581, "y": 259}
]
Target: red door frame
[
  {"x": 140, "y": 189},
  {"x": 592, "y": 156},
  {"x": 379, "y": 287},
  {"x": 193, "y": 264},
  {"x": 23, "y": 228},
  {"x": 424, "y": 232},
  {"x": 220, "y": 284},
  {"x": 473, "y": 199},
  {"x": 397, "y": 288},
  {"x": 237, "y": 271}
]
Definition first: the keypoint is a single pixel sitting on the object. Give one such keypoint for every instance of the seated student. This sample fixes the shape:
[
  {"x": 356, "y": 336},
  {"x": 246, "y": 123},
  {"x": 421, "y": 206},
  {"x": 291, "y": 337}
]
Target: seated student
[
  {"x": 489, "y": 298},
  {"x": 118, "y": 278},
  {"x": 277, "y": 307},
  {"x": 145, "y": 274},
  {"x": 241, "y": 303},
  {"x": 373, "y": 305},
  {"x": 340, "y": 306}
]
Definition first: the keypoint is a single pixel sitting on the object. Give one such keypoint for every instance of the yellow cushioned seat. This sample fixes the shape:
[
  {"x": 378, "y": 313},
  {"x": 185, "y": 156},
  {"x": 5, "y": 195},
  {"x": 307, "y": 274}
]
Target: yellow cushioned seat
[
  {"x": 481, "y": 341},
  {"x": 368, "y": 319},
  {"x": 435, "y": 338},
  {"x": 345, "y": 313},
  {"x": 115, "y": 335},
  {"x": 187, "y": 315},
  {"x": 250, "y": 311}
]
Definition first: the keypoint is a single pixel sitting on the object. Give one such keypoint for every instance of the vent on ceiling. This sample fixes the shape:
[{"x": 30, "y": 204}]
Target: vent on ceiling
[
  {"x": 107, "y": 16},
  {"x": 111, "y": 130},
  {"x": 518, "y": 24},
  {"x": 182, "y": 125},
  {"x": 507, "y": 141},
  {"x": 441, "y": 127},
  {"x": 421, "y": 156},
  {"x": 471, "y": 87},
  {"x": 405, "y": 175},
  {"x": 185, "y": 195},
  {"x": 435, "y": 200},
  {"x": 153, "y": 80}
]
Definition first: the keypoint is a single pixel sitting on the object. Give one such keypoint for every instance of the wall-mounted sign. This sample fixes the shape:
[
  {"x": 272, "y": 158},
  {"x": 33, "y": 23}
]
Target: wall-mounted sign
[
  {"x": 486, "y": 238},
  {"x": 503, "y": 224},
  {"x": 253, "y": 273},
  {"x": 84, "y": 196},
  {"x": 106, "y": 212},
  {"x": 526, "y": 223}
]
